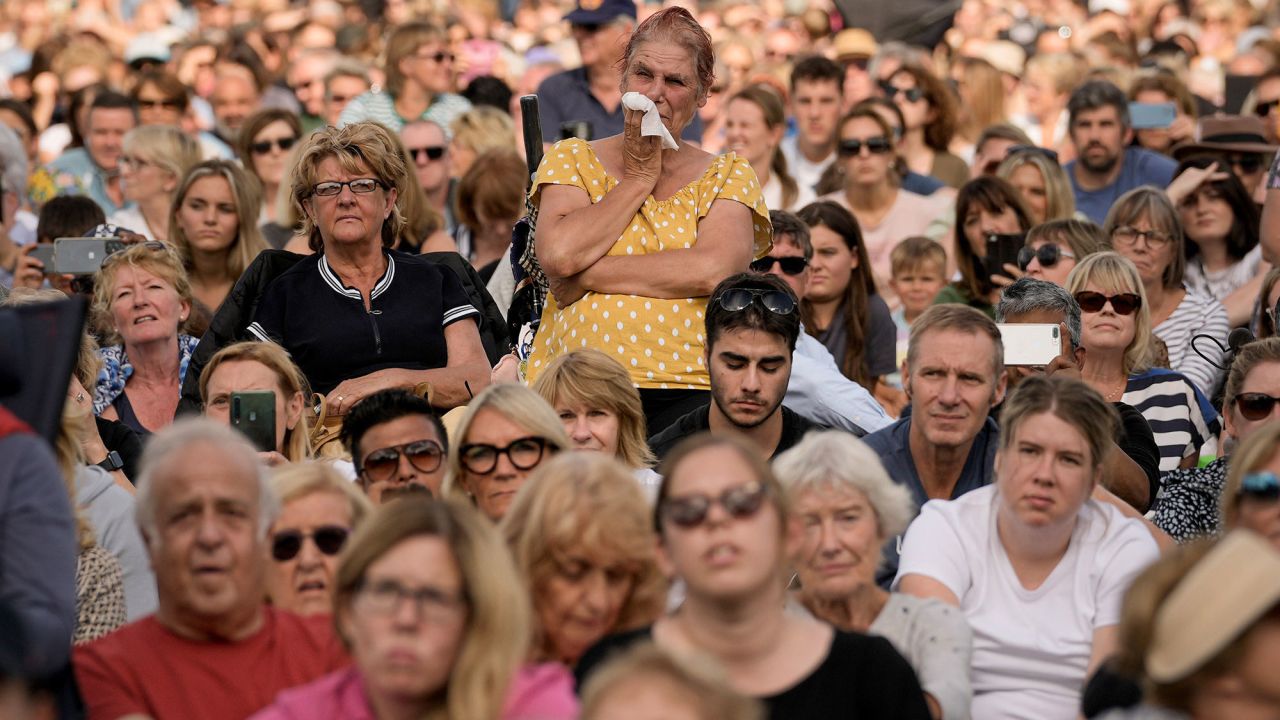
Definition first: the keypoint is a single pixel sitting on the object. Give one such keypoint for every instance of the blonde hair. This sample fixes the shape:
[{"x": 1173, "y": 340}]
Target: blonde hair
[
  {"x": 596, "y": 380},
  {"x": 403, "y": 42},
  {"x": 1082, "y": 237},
  {"x": 247, "y": 192},
  {"x": 700, "y": 685},
  {"x": 1064, "y": 69},
  {"x": 498, "y": 616},
  {"x": 586, "y": 502},
  {"x": 483, "y": 128},
  {"x": 363, "y": 147},
  {"x": 159, "y": 260},
  {"x": 1114, "y": 272},
  {"x": 1061, "y": 203},
  {"x": 1255, "y": 452},
  {"x": 300, "y": 479},
  {"x": 289, "y": 379},
  {"x": 168, "y": 148}
]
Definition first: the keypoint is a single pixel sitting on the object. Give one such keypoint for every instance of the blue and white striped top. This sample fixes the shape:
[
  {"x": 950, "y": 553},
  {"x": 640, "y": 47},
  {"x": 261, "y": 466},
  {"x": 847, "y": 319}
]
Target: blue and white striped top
[{"x": 1181, "y": 418}]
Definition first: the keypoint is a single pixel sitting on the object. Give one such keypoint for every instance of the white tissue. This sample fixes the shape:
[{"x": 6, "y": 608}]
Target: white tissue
[{"x": 651, "y": 123}]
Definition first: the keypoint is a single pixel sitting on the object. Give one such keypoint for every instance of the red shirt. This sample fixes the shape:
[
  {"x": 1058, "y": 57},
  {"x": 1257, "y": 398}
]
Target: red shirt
[{"x": 145, "y": 668}]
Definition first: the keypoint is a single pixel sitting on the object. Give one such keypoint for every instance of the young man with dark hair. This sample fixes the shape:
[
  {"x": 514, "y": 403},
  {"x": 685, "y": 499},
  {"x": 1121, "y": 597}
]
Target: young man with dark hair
[
  {"x": 817, "y": 96},
  {"x": 396, "y": 440}
]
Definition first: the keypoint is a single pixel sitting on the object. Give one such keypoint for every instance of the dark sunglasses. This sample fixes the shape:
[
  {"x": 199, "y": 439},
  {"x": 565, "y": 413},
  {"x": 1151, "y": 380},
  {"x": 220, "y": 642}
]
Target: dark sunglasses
[
  {"x": 157, "y": 104},
  {"x": 1261, "y": 486},
  {"x": 1123, "y": 303},
  {"x": 739, "y": 299},
  {"x": 1035, "y": 149},
  {"x": 1247, "y": 164},
  {"x": 1048, "y": 255},
  {"x": 438, "y": 56},
  {"x": 859, "y": 62},
  {"x": 588, "y": 28},
  {"x": 911, "y": 94},
  {"x": 690, "y": 511},
  {"x": 1255, "y": 406},
  {"x": 424, "y": 455},
  {"x": 1264, "y": 109},
  {"x": 264, "y": 147},
  {"x": 433, "y": 152},
  {"x": 789, "y": 265},
  {"x": 524, "y": 453},
  {"x": 875, "y": 146},
  {"x": 329, "y": 539}
]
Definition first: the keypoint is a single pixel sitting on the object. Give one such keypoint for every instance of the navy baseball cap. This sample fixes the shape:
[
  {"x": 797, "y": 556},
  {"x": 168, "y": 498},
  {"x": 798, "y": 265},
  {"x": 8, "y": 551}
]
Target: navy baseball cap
[{"x": 599, "y": 12}]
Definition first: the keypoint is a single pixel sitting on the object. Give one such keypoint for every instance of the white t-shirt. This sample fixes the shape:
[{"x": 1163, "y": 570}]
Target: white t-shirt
[
  {"x": 1030, "y": 647},
  {"x": 807, "y": 174}
]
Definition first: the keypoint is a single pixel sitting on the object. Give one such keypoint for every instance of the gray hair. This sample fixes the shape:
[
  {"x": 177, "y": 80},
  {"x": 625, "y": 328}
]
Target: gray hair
[
  {"x": 13, "y": 161},
  {"x": 182, "y": 435},
  {"x": 788, "y": 223},
  {"x": 1029, "y": 294},
  {"x": 837, "y": 460}
]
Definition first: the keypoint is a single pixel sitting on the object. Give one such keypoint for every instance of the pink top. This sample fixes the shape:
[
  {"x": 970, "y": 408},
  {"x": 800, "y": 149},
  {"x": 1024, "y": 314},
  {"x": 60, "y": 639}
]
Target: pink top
[{"x": 537, "y": 692}]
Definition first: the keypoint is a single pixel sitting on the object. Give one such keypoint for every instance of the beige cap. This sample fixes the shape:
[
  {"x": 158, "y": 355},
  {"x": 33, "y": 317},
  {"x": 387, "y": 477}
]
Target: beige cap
[
  {"x": 1225, "y": 593},
  {"x": 854, "y": 43},
  {"x": 1006, "y": 56}
]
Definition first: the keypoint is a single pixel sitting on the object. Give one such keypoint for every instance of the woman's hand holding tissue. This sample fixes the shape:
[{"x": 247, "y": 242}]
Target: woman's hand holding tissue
[{"x": 642, "y": 156}]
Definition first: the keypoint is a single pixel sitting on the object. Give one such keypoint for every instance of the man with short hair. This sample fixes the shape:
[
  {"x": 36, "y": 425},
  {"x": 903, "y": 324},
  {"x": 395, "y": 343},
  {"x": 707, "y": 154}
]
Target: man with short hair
[
  {"x": 94, "y": 169},
  {"x": 345, "y": 81},
  {"x": 1106, "y": 165},
  {"x": 817, "y": 87},
  {"x": 214, "y": 648},
  {"x": 306, "y": 78},
  {"x": 235, "y": 97},
  {"x": 752, "y": 323},
  {"x": 428, "y": 146},
  {"x": 396, "y": 441}
]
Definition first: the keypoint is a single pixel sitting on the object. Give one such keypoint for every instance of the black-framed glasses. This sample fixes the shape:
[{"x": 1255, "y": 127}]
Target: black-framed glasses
[
  {"x": 438, "y": 56},
  {"x": 329, "y": 539},
  {"x": 1048, "y": 255},
  {"x": 739, "y": 299},
  {"x": 1034, "y": 149},
  {"x": 381, "y": 464},
  {"x": 790, "y": 265},
  {"x": 1263, "y": 486},
  {"x": 1129, "y": 235},
  {"x": 264, "y": 147},
  {"x": 690, "y": 511},
  {"x": 1121, "y": 303},
  {"x": 433, "y": 152},
  {"x": 431, "y": 603},
  {"x": 914, "y": 94},
  {"x": 1255, "y": 405},
  {"x": 360, "y": 186},
  {"x": 1263, "y": 109},
  {"x": 875, "y": 146},
  {"x": 524, "y": 453}
]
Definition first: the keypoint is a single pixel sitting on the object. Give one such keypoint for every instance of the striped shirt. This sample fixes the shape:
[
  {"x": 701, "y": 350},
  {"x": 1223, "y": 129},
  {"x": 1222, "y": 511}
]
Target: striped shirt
[
  {"x": 380, "y": 107},
  {"x": 1181, "y": 418},
  {"x": 1197, "y": 314},
  {"x": 1221, "y": 283}
]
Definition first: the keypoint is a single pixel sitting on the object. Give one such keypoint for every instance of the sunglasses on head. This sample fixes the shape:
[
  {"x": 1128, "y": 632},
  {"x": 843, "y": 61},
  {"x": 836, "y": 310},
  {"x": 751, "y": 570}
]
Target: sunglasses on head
[
  {"x": 1255, "y": 406},
  {"x": 433, "y": 152},
  {"x": 1260, "y": 486},
  {"x": 424, "y": 455},
  {"x": 789, "y": 265},
  {"x": 1122, "y": 303},
  {"x": 329, "y": 539},
  {"x": 1034, "y": 149},
  {"x": 738, "y": 299},
  {"x": 1264, "y": 109},
  {"x": 911, "y": 94},
  {"x": 113, "y": 255},
  {"x": 690, "y": 511},
  {"x": 875, "y": 146},
  {"x": 264, "y": 147},
  {"x": 1048, "y": 255}
]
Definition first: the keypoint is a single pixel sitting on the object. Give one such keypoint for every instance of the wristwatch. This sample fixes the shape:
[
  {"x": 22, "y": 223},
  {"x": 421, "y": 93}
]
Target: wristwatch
[{"x": 112, "y": 463}]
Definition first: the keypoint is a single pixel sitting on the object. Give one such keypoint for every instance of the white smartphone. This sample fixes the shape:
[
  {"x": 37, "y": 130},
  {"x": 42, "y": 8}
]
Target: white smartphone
[{"x": 1034, "y": 344}]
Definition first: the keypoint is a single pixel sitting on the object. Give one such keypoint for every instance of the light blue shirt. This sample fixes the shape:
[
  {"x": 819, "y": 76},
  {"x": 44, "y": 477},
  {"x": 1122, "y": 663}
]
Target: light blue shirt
[
  {"x": 822, "y": 394},
  {"x": 75, "y": 173}
]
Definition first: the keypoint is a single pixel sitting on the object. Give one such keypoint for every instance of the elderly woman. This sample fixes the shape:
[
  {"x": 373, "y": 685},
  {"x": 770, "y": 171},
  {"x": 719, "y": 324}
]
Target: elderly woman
[
  {"x": 319, "y": 509},
  {"x": 1143, "y": 226},
  {"x": 504, "y": 434},
  {"x": 13, "y": 181},
  {"x": 584, "y": 546},
  {"x": 1116, "y": 336},
  {"x": 156, "y": 159},
  {"x": 985, "y": 206},
  {"x": 430, "y": 607},
  {"x": 601, "y": 410},
  {"x": 723, "y": 524},
  {"x": 848, "y": 507},
  {"x": 1033, "y": 551},
  {"x": 633, "y": 237},
  {"x": 264, "y": 143},
  {"x": 259, "y": 367},
  {"x": 1251, "y": 497},
  {"x": 1041, "y": 181},
  {"x": 143, "y": 299},
  {"x": 420, "y": 82},
  {"x": 1053, "y": 248},
  {"x": 756, "y": 121},
  {"x": 929, "y": 109},
  {"x": 356, "y": 316}
]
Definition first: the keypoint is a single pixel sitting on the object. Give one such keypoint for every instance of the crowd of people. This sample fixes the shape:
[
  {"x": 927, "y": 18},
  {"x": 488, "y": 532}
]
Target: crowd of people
[{"x": 797, "y": 360}]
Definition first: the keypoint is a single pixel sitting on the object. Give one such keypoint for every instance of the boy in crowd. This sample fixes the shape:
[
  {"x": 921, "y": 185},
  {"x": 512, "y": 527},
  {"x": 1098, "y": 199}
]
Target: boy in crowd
[{"x": 918, "y": 268}]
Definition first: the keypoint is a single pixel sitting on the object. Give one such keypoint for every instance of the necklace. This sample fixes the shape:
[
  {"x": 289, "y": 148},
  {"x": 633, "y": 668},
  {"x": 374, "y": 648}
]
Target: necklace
[{"x": 1116, "y": 393}]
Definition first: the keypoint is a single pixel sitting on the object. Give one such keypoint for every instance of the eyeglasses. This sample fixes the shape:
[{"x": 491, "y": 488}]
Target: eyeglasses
[
  {"x": 790, "y": 265},
  {"x": 875, "y": 146},
  {"x": 329, "y": 539},
  {"x": 1122, "y": 303},
  {"x": 264, "y": 147},
  {"x": 1246, "y": 164},
  {"x": 158, "y": 104},
  {"x": 133, "y": 162},
  {"x": 739, "y": 299},
  {"x": 690, "y": 511},
  {"x": 433, "y": 152},
  {"x": 438, "y": 56},
  {"x": 424, "y": 455},
  {"x": 431, "y": 603},
  {"x": 1255, "y": 406},
  {"x": 1128, "y": 235},
  {"x": 1264, "y": 109},
  {"x": 524, "y": 453},
  {"x": 1263, "y": 486},
  {"x": 363, "y": 186},
  {"x": 1034, "y": 149},
  {"x": 911, "y": 94},
  {"x": 1048, "y": 255}
]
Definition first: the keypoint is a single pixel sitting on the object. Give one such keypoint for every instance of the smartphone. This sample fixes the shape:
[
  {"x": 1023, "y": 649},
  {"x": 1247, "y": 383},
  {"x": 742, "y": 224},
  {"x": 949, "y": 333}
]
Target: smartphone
[
  {"x": 44, "y": 253},
  {"x": 254, "y": 414},
  {"x": 1003, "y": 250},
  {"x": 1033, "y": 344},
  {"x": 84, "y": 255},
  {"x": 1151, "y": 116}
]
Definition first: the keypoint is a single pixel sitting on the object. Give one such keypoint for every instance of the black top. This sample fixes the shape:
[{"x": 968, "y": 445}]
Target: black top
[
  {"x": 879, "y": 347},
  {"x": 862, "y": 677},
  {"x": 1137, "y": 441},
  {"x": 794, "y": 426},
  {"x": 325, "y": 327},
  {"x": 123, "y": 439}
]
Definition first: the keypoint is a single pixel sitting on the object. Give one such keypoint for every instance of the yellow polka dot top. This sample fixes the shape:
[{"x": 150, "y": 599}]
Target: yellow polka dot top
[{"x": 660, "y": 341}]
